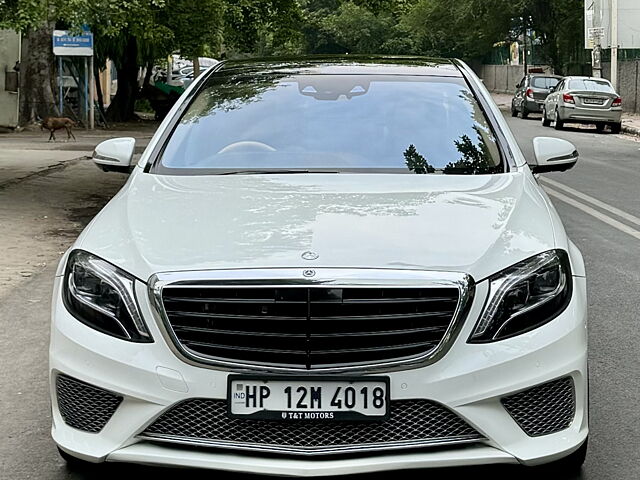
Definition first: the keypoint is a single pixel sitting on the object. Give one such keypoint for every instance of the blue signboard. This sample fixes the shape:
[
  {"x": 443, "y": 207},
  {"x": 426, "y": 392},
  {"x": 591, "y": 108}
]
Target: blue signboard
[{"x": 68, "y": 45}]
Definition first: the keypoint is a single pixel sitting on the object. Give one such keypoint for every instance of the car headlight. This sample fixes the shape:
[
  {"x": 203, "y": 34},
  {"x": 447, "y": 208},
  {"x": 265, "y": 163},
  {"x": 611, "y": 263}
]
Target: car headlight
[
  {"x": 525, "y": 296},
  {"x": 102, "y": 296}
]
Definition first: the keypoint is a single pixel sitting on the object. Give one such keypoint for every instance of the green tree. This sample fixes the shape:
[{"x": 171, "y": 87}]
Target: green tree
[
  {"x": 359, "y": 30},
  {"x": 355, "y": 26},
  {"x": 137, "y": 32},
  {"x": 462, "y": 28},
  {"x": 416, "y": 162},
  {"x": 469, "y": 28},
  {"x": 194, "y": 38},
  {"x": 35, "y": 20},
  {"x": 559, "y": 27},
  {"x": 130, "y": 34},
  {"x": 476, "y": 157}
]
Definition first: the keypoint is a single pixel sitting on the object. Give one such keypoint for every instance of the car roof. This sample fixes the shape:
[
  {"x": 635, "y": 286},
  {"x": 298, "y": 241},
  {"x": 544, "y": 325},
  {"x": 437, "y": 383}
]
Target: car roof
[
  {"x": 345, "y": 65},
  {"x": 584, "y": 77}
]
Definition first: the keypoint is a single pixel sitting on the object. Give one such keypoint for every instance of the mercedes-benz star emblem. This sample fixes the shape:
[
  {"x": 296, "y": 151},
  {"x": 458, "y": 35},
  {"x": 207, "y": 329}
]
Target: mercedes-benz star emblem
[
  {"x": 308, "y": 255},
  {"x": 308, "y": 273}
]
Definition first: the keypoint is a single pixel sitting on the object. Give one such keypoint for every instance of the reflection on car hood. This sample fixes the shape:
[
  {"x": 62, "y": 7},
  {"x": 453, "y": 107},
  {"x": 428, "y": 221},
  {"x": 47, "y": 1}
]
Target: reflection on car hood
[{"x": 473, "y": 224}]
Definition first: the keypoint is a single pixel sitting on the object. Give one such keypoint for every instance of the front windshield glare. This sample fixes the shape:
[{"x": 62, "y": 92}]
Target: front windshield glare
[{"x": 282, "y": 122}]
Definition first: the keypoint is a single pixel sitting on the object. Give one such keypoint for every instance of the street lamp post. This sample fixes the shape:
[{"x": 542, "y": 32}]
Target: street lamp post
[{"x": 614, "y": 44}]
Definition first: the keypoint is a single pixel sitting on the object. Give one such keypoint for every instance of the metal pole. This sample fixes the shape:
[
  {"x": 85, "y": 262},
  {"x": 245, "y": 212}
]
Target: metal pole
[
  {"x": 86, "y": 95},
  {"x": 19, "y": 82},
  {"x": 92, "y": 86},
  {"x": 60, "y": 89},
  {"x": 524, "y": 41},
  {"x": 614, "y": 44}
]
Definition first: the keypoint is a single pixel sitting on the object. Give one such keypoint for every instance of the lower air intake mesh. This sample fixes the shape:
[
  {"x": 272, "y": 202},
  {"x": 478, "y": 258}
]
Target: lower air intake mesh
[
  {"x": 544, "y": 409},
  {"x": 412, "y": 423},
  {"x": 84, "y": 406}
]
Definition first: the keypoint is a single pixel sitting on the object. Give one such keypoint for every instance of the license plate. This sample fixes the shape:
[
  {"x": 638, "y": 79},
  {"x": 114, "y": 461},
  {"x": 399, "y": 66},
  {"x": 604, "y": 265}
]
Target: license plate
[
  {"x": 308, "y": 398},
  {"x": 593, "y": 101}
]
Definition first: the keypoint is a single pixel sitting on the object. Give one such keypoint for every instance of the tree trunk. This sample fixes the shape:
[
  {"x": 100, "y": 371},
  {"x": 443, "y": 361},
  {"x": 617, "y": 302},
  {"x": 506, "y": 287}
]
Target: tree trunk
[
  {"x": 121, "y": 108},
  {"x": 147, "y": 74},
  {"x": 196, "y": 67},
  {"x": 96, "y": 76},
  {"x": 36, "y": 76}
]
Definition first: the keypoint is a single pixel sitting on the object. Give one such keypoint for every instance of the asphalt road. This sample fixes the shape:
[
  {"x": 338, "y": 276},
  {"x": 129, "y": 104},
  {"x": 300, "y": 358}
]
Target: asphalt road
[{"x": 599, "y": 201}]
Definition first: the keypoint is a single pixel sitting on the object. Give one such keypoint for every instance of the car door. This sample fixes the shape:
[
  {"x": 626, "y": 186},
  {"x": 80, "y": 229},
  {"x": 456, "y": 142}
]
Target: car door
[{"x": 552, "y": 100}]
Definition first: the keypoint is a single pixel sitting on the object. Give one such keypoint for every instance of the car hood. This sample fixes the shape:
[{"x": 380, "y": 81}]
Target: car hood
[{"x": 472, "y": 224}]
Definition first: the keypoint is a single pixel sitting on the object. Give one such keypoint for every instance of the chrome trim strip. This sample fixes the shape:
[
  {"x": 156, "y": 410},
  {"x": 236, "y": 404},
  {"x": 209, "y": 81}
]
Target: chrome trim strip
[
  {"x": 310, "y": 451},
  {"x": 293, "y": 277},
  {"x": 102, "y": 158}
]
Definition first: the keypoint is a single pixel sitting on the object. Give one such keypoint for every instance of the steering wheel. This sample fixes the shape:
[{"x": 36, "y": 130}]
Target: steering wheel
[{"x": 247, "y": 146}]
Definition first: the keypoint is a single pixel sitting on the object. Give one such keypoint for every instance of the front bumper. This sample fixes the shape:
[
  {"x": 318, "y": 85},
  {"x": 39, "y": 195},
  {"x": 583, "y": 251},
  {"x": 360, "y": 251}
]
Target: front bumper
[{"x": 470, "y": 380}]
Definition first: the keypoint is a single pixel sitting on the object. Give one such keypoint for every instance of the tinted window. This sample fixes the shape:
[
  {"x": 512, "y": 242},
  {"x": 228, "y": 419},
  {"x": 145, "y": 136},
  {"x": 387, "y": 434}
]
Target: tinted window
[
  {"x": 544, "y": 82},
  {"x": 365, "y": 123},
  {"x": 591, "y": 85}
]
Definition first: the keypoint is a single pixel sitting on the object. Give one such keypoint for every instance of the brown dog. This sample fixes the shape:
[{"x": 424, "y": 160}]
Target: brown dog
[{"x": 56, "y": 123}]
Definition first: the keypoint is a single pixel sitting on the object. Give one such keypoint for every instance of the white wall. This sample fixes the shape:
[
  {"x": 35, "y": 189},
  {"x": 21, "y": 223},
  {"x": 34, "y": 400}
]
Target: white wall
[
  {"x": 628, "y": 21},
  {"x": 9, "y": 55},
  {"x": 503, "y": 78}
]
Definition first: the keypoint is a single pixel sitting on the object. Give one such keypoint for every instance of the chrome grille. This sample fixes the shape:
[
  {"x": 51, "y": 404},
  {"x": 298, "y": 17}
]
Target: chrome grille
[
  {"x": 308, "y": 328},
  {"x": 84, "y": 406},
  {"x": 412, "y": 423},
  {"x": 544, "y": 409}
]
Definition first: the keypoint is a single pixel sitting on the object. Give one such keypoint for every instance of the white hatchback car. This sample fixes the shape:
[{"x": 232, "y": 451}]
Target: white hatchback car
[{"x": 325, "y": 266}]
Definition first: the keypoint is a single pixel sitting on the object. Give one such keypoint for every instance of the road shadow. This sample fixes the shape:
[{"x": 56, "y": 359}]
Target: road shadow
[{"x": 588, "y": 128}]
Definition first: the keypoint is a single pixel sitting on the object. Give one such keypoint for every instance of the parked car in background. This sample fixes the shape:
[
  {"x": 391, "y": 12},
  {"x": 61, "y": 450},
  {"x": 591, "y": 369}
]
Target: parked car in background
[
  {"x": 583, "y": 100},
  {"x": 531, "y": 93}
]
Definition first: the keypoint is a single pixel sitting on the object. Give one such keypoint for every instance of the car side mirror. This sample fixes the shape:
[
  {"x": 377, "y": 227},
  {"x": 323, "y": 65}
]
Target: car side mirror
[
  {"x": 115, "y": 155},
  {"x": 553, "y": 155}
]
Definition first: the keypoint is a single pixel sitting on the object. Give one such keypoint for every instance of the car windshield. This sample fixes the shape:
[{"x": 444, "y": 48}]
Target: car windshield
[
  {"x": 591, "y": 85},
  {"x": 286, "y": 123},
  {"x": 544, "y": 82}
]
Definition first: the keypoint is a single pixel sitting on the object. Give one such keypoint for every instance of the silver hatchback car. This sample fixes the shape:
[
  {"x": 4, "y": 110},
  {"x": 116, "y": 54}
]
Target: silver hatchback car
[
  {"x": 583, "y": 100},
  {"x": 531, "y": 92}
]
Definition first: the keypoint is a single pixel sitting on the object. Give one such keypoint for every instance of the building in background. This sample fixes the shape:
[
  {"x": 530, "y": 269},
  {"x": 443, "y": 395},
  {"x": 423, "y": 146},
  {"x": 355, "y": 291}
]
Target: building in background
[
  {"x": 9, "y": 78},
  {"x": 612, "y": 33}
]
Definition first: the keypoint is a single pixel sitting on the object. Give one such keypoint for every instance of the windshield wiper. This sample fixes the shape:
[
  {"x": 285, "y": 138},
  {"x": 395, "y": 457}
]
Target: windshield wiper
[{"x": 273, "y": 172}]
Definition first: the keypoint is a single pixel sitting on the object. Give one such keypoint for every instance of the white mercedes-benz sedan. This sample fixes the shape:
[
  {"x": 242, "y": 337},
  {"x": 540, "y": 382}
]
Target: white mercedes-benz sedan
[{"x": 325, "y": 266}]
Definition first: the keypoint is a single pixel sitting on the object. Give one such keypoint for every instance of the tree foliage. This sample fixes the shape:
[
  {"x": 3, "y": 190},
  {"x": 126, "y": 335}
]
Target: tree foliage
[
  {"x": 23, "y": 15},
  {"x": 559, "y": 27},
  {"x": 134, "y": 33},
  {"x": 468, "y": 29},
  {"x": 462, "y": 28},
  {"x": 416, "y": 162},
  {"x": 359, "y": 26}
]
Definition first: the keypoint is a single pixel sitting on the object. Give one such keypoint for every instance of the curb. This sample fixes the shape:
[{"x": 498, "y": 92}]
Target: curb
[{"x": 629, "y": 130}]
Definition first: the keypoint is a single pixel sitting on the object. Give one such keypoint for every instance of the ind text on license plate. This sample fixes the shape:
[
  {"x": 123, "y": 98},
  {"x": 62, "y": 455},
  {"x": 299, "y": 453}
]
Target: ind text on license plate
[{"x": 308, "y": 398}]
